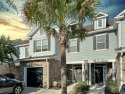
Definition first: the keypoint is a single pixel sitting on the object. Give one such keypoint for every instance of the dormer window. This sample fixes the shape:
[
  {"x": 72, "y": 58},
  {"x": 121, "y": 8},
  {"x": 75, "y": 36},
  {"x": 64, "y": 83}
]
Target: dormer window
[{"x": 100, "y": 23}]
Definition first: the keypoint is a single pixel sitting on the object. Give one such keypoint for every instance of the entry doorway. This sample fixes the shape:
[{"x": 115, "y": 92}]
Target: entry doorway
[{"x": 98, "y": 74}]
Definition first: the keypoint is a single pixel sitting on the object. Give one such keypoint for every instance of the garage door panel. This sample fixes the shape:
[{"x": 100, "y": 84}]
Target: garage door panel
[{"x": 35, "y": 77}]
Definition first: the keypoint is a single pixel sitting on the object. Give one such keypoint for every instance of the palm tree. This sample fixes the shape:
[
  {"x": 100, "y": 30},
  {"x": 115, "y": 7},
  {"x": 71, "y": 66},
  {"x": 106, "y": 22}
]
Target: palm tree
[
  {"x": 61, "y": 14},
  {"x": 8, "y": 52}
]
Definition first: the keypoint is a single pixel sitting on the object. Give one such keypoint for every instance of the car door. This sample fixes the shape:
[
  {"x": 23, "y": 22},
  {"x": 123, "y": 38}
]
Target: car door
[
  {"x": 2, "y": 85},
  {"x": 5, "y": 85}
]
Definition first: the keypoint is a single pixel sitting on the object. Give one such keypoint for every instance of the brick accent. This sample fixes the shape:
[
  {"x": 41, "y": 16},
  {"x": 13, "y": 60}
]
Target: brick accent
[
  {"x": 123, "y": 68},
  {"x": 117, "y": 70},
  {"x": 5, "y": 68},
  {"x": 35, "y": 64},
  {"x": 109, "y": 70},
  {"x": 54, "y": 71},
  {"x": 69, "y": 72}
]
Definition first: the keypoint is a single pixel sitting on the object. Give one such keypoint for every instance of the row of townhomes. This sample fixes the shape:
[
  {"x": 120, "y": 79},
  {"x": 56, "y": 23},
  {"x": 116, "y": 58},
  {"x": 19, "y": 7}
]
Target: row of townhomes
[{"x": 100, "y": 56}]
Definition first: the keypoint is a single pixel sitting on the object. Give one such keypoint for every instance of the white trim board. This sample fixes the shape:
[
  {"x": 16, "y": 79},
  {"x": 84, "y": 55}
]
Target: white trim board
[
  {"x": 101, "y": 61},
  {"x": 75, "y": 62}
]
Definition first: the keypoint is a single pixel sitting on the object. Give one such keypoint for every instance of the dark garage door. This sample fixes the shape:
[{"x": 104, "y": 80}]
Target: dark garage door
[{"x": 35, "y": 77}]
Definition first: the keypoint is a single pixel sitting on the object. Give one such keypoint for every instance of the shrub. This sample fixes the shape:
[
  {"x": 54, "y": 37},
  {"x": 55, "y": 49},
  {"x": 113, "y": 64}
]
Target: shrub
[
  {"x": 10, "y": 75},
  {"x": 59, "y": 83},
  {"x": 81, "y": 87},
  {"x": 111, "y": 87}
]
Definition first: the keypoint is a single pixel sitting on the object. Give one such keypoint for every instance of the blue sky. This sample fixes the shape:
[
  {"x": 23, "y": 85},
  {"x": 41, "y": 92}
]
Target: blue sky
[{"x": 12, "y": 24}]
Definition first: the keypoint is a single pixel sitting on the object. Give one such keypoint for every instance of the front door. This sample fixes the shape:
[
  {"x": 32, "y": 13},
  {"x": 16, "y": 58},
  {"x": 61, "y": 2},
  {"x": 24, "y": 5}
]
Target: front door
[{"x": 98, "y": 74}]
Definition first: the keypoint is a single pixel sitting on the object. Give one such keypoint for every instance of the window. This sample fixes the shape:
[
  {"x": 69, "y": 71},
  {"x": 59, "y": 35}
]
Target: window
[
  {"x": 100, "y": 23},
  {"x": 37, "y": 45},
  {"x": 27, "y": 52},
  {"x": 2, "y": 78},
  {"x": 101, "y": 42},
  {"x": 44, "y": 44},
  {"x": 73, "y": 45}
]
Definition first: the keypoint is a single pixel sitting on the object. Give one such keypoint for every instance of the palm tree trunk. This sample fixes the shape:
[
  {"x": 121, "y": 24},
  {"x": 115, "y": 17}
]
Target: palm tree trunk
[{"x": 63, "y": 66}]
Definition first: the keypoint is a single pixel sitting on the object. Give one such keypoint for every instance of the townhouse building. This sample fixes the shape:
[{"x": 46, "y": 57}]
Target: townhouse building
[{"x": 100, "y": 56}]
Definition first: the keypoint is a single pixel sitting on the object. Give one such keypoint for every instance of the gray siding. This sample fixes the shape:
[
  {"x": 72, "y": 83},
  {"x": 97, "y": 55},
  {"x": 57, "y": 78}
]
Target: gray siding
[
  {"x": 87, "y": 52},
  {"x": 123, "y": 33}
]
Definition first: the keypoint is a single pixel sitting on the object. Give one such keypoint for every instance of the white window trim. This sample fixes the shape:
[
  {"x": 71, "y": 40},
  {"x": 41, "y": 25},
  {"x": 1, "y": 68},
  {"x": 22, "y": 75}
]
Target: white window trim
[
  {"x": 35, "y": 46},
  {"x": 76, "y": 45},
  {"x": 98, "y": 23},
  {"x": 41, "y": 45},
  {"x": 96, "y": 42}
]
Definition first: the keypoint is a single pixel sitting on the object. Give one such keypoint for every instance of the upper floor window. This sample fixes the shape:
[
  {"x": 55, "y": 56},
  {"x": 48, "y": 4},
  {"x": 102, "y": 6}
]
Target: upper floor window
[
  {"x": 73, "y": 45},
  {"x": 101, "y": 42},
  {"x": 44, "y": 44},
  {"x": 100, "y": 23},
  {"x": 26, "y": 51},
  {"x": 37, "y": 45}
]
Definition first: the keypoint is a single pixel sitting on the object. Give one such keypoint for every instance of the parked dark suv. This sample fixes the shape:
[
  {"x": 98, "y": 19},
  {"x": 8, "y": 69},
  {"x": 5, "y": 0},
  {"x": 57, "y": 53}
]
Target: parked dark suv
[{"x": 8, "y": 85}]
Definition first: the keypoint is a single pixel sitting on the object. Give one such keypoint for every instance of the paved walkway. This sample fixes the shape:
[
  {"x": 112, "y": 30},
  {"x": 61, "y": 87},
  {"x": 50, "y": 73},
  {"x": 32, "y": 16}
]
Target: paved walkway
[{"x": 96, "y": 89}]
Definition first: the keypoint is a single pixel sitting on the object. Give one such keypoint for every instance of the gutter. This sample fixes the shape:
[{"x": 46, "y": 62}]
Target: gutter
[
  {"x": 37, "y": 58},
  {"x": 101, "y": 30},
  {"x": 120, "y": 17}
]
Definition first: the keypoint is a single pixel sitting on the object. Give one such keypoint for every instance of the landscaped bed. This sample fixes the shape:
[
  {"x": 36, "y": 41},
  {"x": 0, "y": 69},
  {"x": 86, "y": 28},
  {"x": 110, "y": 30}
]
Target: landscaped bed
[{"x": 111, "y": 87}]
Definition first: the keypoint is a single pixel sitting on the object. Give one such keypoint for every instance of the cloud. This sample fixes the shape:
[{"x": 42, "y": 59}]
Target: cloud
[{"x": 13, "y": 26}]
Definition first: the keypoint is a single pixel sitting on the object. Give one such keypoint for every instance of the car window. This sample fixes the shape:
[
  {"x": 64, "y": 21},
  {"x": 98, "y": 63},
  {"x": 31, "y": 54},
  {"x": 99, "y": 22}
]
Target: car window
[{"x": 2, "y": 78}]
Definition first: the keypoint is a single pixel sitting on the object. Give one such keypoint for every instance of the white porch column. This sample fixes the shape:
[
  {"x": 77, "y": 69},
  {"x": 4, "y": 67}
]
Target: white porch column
[
  {"x": 83, "y": 74},
  {"x": 113, "y": 71},
  {"x": 89, "y": 73}
]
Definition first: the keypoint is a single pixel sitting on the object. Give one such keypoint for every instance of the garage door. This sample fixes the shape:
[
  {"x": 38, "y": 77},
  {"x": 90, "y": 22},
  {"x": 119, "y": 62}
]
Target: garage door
[{"x": 35, "y": 77}]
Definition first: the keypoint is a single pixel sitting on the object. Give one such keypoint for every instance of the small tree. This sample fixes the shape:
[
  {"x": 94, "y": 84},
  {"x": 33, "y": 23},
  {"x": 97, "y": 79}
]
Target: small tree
[
  {"x": 60, "y": 13},
  {"x": 8, "y": 52}
]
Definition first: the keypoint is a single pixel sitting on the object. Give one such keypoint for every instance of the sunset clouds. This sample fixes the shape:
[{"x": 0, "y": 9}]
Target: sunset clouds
[{"x": 11, "y": 23}]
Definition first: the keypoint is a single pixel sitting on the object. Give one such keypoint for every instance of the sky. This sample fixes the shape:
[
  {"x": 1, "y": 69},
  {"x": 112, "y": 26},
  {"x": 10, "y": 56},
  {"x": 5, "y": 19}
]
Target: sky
[{"x": 11, "y": 23}]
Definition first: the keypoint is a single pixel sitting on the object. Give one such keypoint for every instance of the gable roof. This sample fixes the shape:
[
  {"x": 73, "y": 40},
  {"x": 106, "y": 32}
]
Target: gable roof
[
  {"x": 33, "y": 32},
  {"x": 24, "y": 43},
  {"x": 121, "y": 15},
  {"x": 101, "y": 14}
]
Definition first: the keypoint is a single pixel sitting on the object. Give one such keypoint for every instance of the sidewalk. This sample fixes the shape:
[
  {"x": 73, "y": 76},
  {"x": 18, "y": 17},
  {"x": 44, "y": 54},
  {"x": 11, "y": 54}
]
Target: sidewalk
[{"x": 96, "y": 89}]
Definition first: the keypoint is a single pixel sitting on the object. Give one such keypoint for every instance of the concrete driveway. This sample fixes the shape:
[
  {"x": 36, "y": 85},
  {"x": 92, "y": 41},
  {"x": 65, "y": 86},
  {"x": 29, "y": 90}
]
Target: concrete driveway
[{"x": 31, "y": 90}]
